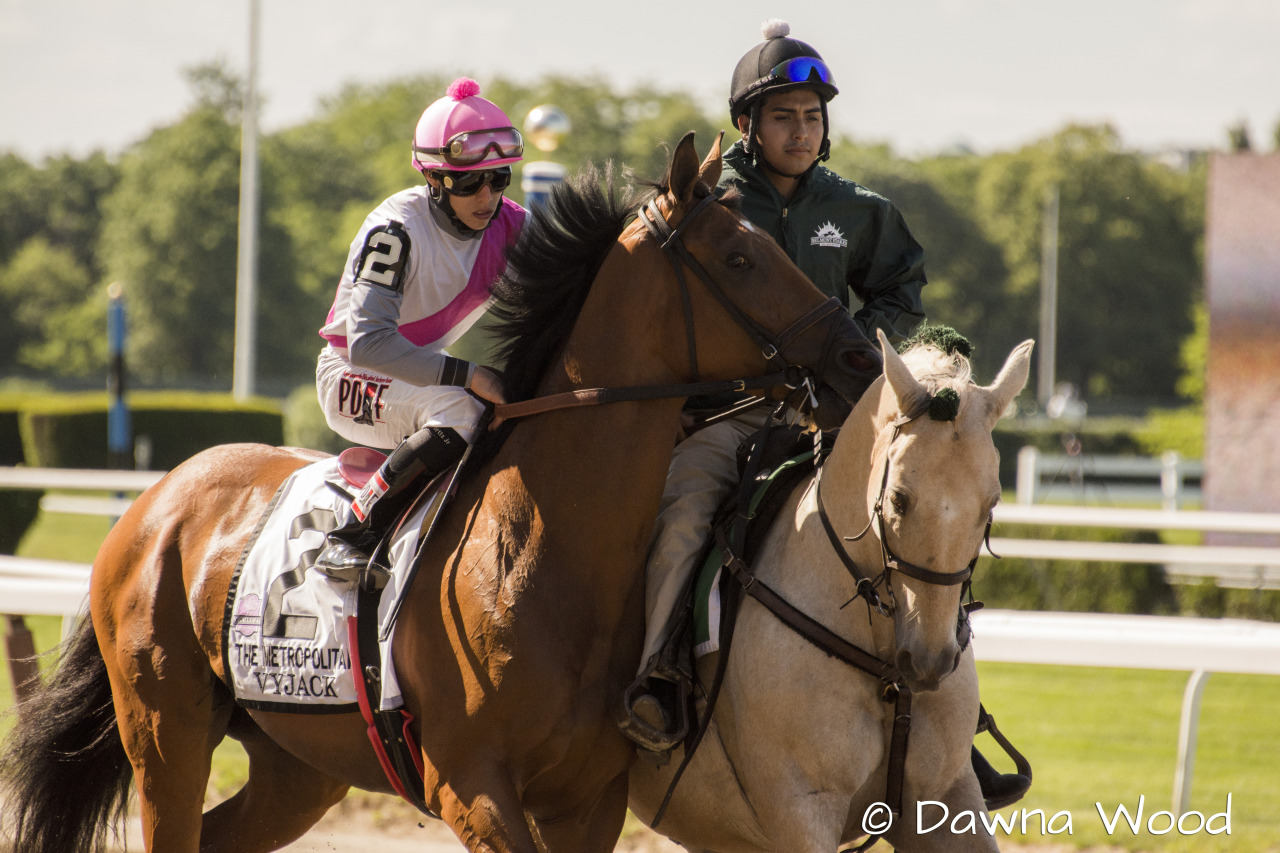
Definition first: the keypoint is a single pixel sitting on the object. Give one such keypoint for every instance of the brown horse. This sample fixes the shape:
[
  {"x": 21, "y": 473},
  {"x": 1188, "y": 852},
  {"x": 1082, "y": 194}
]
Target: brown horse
[{"x": 514, "y": 646}]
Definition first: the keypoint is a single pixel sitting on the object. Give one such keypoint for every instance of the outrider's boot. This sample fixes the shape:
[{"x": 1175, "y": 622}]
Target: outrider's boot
[
  {"x": 353, "y": 548},
  {"x": 998, "y": 789}
]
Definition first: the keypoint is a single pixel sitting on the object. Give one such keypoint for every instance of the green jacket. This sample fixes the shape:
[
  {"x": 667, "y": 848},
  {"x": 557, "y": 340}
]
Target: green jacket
[{"x": 851, "y": 242}]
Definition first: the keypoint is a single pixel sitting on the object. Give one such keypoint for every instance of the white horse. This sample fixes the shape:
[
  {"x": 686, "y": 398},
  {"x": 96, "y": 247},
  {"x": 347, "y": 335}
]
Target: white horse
[{"x": 798, "y": 751}]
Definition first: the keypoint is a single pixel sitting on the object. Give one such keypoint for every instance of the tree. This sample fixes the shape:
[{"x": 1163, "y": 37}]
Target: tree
[
  {"x": 966, "y": 270},
  {"x": 1129, "y": 270},
  {"x": 56, "y": 318},
  {"x": 170, "y": 236}
]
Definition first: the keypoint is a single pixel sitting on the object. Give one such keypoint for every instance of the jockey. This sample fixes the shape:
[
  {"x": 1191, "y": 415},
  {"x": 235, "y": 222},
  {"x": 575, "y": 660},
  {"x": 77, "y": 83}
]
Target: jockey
[
  {"x": 417, "y": 277},
  {"x": 852, "y": 243}
]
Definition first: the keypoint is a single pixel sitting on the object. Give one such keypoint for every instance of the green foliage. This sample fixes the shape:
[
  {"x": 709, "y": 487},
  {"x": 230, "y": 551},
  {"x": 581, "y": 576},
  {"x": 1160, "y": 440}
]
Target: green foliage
[
  {"x": 18, "y": 508},
  {"x": 1193, "y": 356},
  {"x": 1024, "y": 584},
  {"x": 304, "y": 423},
  {"x": 1211, "y": 601},
  {"x": 70, "y": 431},
  {"x": 170, "y": 236},
  {"x": 57, "y": 321},
  {"x": 966, "y": 269},
  {"x": 1173, "y": 429},
  {"x": 1093, "y": 437},
  {"x": 163, "y": 222},
  {"x": 1127, "y": 249}
]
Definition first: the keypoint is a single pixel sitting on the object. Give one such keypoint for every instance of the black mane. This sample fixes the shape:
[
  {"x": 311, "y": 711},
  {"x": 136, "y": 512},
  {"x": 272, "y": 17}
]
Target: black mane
[{"x": 549, "y": 272}]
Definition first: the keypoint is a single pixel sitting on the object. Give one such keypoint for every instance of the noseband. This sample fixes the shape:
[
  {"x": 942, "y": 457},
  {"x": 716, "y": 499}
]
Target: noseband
[
  {"x": 868, "y": 588},
  {"x": 771, "y": 346}
]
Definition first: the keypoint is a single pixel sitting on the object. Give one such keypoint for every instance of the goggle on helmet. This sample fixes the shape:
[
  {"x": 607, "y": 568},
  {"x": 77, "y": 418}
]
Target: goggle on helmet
[{"x": 462, "y": 131}]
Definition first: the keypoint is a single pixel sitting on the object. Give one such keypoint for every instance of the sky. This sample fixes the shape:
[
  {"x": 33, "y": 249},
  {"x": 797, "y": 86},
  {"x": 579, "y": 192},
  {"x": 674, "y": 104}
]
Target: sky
[{"x": 921, "y": 75}]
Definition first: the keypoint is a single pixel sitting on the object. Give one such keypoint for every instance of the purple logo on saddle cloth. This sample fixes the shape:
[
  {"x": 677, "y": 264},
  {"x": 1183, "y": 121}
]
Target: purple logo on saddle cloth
[{"x": 247, "y": 620}]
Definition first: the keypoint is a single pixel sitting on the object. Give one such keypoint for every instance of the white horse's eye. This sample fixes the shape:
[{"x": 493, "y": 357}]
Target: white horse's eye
[{"x": 900, "y": 501}]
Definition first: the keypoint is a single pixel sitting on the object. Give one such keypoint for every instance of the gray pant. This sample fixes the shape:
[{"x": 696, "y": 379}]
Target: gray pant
[{"x": 704, "y": 469}]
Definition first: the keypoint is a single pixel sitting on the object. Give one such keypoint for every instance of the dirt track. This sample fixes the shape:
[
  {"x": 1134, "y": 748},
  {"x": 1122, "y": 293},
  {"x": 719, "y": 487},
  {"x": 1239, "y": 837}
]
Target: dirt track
[{"x": 393, "y": 827}]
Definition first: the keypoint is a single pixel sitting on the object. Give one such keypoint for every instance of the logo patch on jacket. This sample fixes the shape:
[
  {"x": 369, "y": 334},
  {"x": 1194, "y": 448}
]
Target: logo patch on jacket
[{"x": 828, "y": 235}]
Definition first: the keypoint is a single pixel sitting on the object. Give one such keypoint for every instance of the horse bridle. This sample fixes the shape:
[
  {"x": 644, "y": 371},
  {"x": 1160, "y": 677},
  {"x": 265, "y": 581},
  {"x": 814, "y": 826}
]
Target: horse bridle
[
  {"x": 868, "y": 588},
  {"x": 771, "y": 346}
]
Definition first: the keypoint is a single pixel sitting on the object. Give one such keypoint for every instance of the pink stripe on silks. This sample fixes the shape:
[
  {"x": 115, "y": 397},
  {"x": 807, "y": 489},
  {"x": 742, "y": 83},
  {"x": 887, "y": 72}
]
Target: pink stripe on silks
[{"x": 489, "y": 264}]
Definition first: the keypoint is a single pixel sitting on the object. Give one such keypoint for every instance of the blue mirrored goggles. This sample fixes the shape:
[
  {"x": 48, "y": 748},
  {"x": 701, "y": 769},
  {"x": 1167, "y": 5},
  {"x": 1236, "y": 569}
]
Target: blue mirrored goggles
[{"x": 802, "y": 69}]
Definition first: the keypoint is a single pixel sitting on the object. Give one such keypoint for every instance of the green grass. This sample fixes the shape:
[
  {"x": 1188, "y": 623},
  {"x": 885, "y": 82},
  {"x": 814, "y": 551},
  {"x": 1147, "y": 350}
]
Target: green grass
[{"x": 1110, "y": 736}]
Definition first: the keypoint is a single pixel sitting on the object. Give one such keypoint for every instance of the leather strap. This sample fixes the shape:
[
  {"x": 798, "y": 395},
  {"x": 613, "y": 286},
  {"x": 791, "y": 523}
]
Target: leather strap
[
  {"x": 600, "y": 396},
  {"x": 388, "y": 731}
]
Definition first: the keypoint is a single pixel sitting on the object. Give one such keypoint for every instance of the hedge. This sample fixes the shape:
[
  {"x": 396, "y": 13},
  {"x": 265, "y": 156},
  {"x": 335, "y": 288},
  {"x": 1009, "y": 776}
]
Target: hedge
[
  {"x": 70, "y": 430},
  {"x": 18, "y": 507}
]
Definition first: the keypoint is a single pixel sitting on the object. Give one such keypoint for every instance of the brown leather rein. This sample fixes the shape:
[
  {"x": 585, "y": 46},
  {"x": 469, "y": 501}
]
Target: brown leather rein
[{"x": 771, "y": 346}]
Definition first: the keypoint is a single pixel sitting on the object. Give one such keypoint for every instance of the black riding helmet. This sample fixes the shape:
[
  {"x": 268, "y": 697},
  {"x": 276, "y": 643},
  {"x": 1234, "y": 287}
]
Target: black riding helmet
[{"x": 777, "y": 64}]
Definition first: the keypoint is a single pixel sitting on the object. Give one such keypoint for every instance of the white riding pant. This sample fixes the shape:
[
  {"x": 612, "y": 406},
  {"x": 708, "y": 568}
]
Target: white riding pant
[{"x": 380, "y": 411}]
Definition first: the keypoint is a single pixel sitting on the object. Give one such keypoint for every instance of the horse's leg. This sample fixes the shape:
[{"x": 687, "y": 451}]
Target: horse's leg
[
  {"x": 282, "y": 799},
  {"x": 962, "y": 830},
  {"x": 170, "y": 708},
  {"x": 485, "y": 812},
  {"x": 596, "y": 830}
]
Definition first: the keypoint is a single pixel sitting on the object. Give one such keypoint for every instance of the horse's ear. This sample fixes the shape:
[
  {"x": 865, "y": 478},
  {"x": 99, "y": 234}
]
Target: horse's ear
[
  {"x": 1011, "y": 380},
  {"x": 910, "y": 393},
  {"x": 683, "y": 173},
  {"x": 709, "y": 171}
]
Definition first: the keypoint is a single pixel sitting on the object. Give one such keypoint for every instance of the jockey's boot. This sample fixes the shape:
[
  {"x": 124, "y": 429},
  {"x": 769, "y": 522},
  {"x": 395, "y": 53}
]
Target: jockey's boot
[
  {"x": 354, "y": 547},
  {"x": 998, "y": 789}
]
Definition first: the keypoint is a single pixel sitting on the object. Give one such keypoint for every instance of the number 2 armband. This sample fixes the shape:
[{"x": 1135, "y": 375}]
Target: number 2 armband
[{"x": 384, "y": 256}]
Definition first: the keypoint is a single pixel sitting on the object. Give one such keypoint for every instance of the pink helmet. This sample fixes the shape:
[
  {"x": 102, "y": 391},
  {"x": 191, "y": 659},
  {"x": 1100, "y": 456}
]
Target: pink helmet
[{"x": 462, "y": 131}]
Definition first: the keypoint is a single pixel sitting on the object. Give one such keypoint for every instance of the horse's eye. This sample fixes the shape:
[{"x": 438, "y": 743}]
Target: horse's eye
[
  {"x": 900, "y": 502},
  {"x": 738, "y": 262}
]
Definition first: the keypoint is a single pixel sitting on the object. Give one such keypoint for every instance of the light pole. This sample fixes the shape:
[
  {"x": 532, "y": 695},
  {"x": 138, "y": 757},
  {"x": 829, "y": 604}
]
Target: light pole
[
  {"x": 1048, "y": 344},
  {"x": 247, "y": 244}
]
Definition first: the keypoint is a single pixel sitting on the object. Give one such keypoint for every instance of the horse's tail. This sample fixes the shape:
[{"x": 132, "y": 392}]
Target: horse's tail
[{"x": 64, "y": 775}]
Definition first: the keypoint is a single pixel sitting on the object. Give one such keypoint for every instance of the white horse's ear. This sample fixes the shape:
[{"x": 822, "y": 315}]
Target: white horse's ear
[
  {"x": 910, "y": 393},
  {"x": 1011, "y": 380},
  {"x": 709, "y": 171}
]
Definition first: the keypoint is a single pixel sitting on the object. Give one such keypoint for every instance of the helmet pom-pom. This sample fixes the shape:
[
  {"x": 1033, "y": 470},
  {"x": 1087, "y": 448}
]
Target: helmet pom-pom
[
  {"x": 775, "y": 28},
  {"x": 463, "y": 87}
]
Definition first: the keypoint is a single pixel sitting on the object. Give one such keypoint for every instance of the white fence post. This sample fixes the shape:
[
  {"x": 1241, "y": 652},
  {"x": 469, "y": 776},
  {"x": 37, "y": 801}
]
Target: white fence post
[
  {"x": 1028, "y": 474},
  {"x": 1188, "y": 729},
  {"x": 1170, "y": 479}
]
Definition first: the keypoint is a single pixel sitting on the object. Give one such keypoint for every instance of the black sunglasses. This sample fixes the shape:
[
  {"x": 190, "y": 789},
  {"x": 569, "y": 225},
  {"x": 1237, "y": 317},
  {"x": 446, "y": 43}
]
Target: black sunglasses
[{"x": 469, "y": 183}]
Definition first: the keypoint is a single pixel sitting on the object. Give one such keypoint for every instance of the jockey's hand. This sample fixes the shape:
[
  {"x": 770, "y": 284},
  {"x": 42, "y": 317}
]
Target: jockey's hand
[{"x": 487, "y": 385}]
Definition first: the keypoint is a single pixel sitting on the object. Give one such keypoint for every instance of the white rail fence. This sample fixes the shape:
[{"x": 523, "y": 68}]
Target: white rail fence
[
  {"x": 1203, "y": 646},
  {"x": 1170, "y": 479}
]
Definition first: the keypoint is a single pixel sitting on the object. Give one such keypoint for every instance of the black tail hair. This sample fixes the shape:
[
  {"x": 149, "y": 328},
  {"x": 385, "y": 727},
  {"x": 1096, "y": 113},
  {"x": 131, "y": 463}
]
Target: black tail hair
[{"x": 64, "y": 775}]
